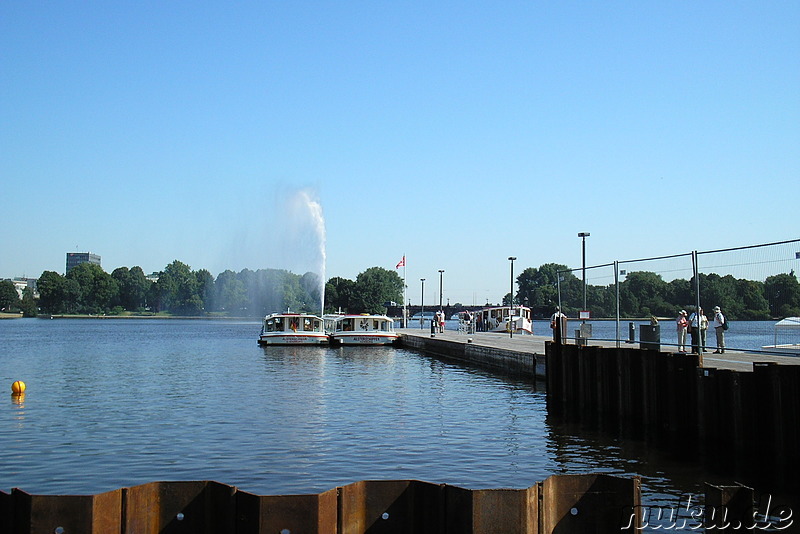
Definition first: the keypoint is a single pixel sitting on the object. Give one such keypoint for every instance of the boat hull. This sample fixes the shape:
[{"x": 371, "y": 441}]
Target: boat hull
[
  {"x": 792, "y": 349},
  {"x": 355, "y": 338},
  {"x": 292, "y": 339}
]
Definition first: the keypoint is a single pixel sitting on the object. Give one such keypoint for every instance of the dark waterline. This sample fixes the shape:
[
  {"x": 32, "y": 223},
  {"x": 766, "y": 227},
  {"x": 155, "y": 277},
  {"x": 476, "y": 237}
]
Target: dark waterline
[{"x": 114, "y": 403}]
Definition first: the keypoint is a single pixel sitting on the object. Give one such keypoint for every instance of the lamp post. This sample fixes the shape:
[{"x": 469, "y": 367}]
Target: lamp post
[
  {"x": 441, "y": 272},
  {"x": 511, "y": 299},
  {"x": 583, "y": 236},
  {"x": 422, "y": 304}
]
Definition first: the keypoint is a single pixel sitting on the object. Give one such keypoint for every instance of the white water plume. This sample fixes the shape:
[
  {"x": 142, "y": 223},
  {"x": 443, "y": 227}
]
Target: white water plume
[{"x": 306, "y": 238}]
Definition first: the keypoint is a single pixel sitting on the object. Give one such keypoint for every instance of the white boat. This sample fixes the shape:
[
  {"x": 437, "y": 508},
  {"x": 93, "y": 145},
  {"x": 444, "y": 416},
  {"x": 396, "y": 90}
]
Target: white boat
[
  {"x": 516, "y": 319},
  {"x": 363, "y": 329},
  {"x": 790, "y": 324},
  {"x": 292, "y": 329}
]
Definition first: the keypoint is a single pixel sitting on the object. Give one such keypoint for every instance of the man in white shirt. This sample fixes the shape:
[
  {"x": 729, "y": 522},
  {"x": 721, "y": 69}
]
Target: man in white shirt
[{"x": 719, "y": 322}]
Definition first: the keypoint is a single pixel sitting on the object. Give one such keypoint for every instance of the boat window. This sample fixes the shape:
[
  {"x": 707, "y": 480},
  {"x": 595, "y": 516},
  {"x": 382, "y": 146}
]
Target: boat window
[
  {"x": 347, "y": 325},
  {"x": 307, "y": 325}
]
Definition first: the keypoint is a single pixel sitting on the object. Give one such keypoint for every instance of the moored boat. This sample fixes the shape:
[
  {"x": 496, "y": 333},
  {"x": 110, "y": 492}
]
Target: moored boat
[
  {"x": 515, "y": 319},
  {"x": 292, "y": 329},
  {"x": 364, "y": 329},
  {"x": 791, "y": 325}
]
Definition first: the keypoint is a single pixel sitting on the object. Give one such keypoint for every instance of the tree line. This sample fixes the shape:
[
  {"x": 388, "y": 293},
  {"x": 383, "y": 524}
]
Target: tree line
[
  {"x": 179, "y": 290},
  {"x": 644, "y": 293}
]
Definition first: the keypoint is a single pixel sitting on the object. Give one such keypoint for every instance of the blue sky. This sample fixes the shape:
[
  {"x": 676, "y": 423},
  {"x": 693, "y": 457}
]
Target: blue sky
[{"x": 456, "y": 133}]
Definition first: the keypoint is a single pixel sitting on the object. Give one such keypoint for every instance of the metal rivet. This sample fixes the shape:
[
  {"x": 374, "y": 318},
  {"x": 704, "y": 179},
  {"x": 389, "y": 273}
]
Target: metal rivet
[
  {"x": 286, "y": 531},
  {"x": 59, "y": 530},
  {"x": 573, "y": 511},
  {"x": 385, "y": 515},
  {"x": 180, "y": 516}
]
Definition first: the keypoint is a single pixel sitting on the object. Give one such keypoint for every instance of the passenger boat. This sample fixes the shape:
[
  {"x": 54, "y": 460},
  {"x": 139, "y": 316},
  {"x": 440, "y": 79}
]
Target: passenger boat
[
  {"x": 292, "y": 329},
  {"x": 516, "y": 319},
  {"x": 364, "y": 329}
]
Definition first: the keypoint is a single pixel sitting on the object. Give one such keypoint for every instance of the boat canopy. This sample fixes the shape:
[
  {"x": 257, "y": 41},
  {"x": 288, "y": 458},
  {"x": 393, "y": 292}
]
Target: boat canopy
[{"x": 789, "y": 322}]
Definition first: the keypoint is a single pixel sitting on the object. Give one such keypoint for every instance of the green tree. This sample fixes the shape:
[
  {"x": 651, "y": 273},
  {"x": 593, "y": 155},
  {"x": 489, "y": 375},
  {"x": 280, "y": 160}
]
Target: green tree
[
  {"x": 230, "y": 293},
  {"x": 98, "y": 290},
  {"x": 375, "y": 286},
  {"x": 539, "y": 287},
  {"x": 178, "y": 289},
  {"x": 52, "y": 292},
  {"x": 132, "y": 287},
  {"x": 782, "y": 292},
  {"x": 9, "y": 298},
  {"x": 339, "y": 294},
  {"x": 754, "y": 305},
  {"x": 642, "y": 293},
  {"x": 28, "y": 304},
  {"x": 205, "y": 288}
]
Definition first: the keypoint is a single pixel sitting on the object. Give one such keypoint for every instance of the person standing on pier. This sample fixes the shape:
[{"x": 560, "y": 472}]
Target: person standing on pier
[
  {"x": 719, "y": 328},
  {"x": 683, "y": 325},
  {"x": 698, "y": 326},
  {"x": 558, "y": 322}
]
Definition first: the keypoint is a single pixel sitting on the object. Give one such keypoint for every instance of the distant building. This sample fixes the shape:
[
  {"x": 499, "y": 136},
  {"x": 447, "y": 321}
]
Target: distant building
[
  {"x": 21, "y": 283},
  {"x": 76, "y": 258}
]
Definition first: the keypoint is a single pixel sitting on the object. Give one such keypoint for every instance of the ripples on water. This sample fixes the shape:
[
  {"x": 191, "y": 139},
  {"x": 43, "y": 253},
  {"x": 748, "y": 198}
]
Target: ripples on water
[{"x": 115, "y": 403}]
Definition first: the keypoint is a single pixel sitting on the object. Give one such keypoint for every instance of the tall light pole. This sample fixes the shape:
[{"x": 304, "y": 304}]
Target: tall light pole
[
  {"x": 441, "y": 272},
  {"x": 583, "y": 236},
  {"x": 422, "y": 304},
  {"x": 511, "y": 299}
]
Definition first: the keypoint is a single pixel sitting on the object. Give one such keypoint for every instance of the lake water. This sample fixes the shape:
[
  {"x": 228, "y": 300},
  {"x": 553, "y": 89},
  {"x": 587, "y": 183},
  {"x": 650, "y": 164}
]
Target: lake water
[{"x": 116, "y": 403}]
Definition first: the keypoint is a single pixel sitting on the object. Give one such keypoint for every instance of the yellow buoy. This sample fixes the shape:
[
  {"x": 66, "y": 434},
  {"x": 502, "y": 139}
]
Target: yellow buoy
[{"x": 18, "y": 387}]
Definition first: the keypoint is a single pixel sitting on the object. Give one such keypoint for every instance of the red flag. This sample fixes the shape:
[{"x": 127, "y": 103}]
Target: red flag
[{"x": 401, "y": 263}]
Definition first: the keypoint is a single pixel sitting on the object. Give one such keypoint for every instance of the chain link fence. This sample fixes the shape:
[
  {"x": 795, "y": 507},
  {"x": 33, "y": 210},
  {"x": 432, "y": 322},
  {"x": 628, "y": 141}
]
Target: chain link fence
[{"x": 755, "y": 288}]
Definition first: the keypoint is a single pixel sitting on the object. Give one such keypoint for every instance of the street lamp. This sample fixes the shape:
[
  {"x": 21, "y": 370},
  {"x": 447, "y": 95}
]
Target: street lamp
[
  {"x": 511, "y": 299},
  {"x": 441, "y": 271},
  {"x": 422, "y": 304},
  {"x": 583, "y": 236}
]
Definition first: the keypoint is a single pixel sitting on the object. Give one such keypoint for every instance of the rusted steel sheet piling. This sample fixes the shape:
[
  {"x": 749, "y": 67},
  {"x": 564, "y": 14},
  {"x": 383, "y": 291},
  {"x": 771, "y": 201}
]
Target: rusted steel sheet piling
[
  {"x": 287, "y": 513},
  {"x": 560, "y": 504},
  {"x": 92, "y": 514},
  {"x": 739, "y": 422},
  {"x": 201, "y": 507}
]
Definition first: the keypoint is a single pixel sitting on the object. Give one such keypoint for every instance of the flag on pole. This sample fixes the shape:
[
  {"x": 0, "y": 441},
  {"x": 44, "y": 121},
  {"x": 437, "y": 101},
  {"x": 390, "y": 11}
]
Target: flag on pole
[{"x": 401, "y": 263}]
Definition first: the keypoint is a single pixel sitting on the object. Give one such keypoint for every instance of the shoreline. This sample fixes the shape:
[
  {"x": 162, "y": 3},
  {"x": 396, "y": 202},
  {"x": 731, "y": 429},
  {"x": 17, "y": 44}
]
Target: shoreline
[{"x": 125, "y": 317}]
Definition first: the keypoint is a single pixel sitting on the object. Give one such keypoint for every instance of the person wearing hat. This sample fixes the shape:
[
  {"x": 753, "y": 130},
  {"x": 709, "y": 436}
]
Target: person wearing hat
[
  {"x": 683, "y": 326},
  {"x": 719, "y": 322}
]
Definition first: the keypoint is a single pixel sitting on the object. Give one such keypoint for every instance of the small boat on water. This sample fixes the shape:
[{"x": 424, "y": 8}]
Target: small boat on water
[
  {"x": 790, "y": 324},
  {"x": 292, "y": 329},
  {"x": 515, "y": 319},
  {"x": 363, "y": 329}
]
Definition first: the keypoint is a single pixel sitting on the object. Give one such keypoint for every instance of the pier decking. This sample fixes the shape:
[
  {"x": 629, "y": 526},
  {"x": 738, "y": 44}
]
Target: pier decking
[{"x": 534, "y": 347}]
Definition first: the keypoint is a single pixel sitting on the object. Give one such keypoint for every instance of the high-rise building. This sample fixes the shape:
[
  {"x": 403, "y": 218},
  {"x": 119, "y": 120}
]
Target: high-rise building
[{"x": 76, "y": 258}]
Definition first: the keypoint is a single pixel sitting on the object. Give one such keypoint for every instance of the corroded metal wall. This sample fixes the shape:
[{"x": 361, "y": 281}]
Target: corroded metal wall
[
  {"x": 560, "y": 504},
  {"x": 738, "y": 422}
]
